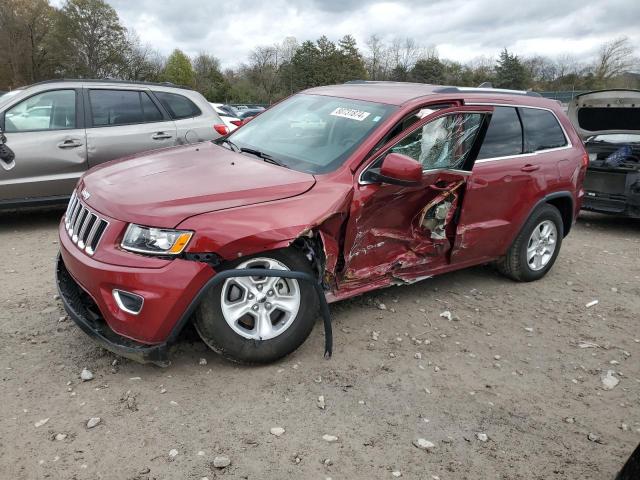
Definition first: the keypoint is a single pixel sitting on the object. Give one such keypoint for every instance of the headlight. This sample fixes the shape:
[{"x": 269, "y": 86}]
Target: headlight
[{"x": 158, "y": 241}]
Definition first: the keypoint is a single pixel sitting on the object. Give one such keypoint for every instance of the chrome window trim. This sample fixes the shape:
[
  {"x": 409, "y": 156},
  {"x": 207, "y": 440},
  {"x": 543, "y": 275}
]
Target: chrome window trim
[{"x": 529, "y": 154}]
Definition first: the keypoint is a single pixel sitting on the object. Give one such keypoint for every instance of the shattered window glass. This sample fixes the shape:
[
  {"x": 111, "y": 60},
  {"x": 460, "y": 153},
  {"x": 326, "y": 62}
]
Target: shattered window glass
[{"x": 442, "y": 143}]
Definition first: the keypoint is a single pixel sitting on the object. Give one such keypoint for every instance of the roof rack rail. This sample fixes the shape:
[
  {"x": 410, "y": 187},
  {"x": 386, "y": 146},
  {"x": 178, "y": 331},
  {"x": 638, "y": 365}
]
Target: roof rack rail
[
  {"x": 377, "y": 82},
  {"x": 110, "y": 80},
  {"x": 485, "y": 90}
]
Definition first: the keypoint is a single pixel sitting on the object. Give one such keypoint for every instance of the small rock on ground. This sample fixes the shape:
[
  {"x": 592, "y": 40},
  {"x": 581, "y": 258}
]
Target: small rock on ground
[
  {"x": 330, "y": 438},
  {"x": 277, "y": 431},
  {"x": 93, "y": 421},
  {"x": 86, "y": 375},
  {"x": 221, "y": 461},
  {"x": 423, "y": 444}
]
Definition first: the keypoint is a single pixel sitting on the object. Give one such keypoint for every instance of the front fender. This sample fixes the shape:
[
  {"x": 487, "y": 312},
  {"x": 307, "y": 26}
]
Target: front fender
[{"x": 242, "y": 231}]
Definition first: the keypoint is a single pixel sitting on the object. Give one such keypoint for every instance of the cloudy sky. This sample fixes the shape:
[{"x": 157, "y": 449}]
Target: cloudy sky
[{"x": 460, "y": 29}]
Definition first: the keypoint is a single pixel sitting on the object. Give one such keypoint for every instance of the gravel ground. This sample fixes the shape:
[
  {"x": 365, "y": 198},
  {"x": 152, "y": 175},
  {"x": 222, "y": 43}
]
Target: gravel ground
[{"x": 520, "y": 363}]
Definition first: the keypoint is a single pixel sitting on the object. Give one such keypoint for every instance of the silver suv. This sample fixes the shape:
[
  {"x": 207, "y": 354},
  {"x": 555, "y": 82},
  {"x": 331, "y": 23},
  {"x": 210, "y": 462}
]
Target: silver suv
[{"x": 59, "y": 129}]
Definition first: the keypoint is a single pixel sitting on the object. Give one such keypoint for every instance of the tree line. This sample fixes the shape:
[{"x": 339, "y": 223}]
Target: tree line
[{"x": 86, "y": 39}]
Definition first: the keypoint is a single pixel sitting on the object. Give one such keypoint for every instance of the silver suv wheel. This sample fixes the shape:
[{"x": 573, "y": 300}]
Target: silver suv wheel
[
  {"x": 541, "y": 245},
  {"x": 260, "y": 308}
]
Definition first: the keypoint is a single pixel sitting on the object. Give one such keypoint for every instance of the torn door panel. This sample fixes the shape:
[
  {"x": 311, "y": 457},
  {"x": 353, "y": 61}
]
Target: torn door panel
[{"x": 390, "y": 251}]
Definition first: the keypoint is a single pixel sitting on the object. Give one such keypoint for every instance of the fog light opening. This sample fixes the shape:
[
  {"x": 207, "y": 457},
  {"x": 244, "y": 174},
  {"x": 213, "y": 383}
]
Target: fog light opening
[{"x": 128, "y": 302}]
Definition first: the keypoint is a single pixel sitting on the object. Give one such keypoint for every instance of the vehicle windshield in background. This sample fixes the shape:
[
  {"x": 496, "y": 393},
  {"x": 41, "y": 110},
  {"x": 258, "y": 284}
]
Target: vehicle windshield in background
[{"x": 312, "y": 133}]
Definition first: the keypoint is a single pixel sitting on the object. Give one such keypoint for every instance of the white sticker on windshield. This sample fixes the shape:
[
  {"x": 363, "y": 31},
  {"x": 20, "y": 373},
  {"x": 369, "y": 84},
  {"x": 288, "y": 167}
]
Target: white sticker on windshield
[{"x": 350, "y": 113}]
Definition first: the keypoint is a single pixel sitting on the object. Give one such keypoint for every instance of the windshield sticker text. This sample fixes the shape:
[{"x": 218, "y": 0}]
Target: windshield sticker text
[{"x": 350, "y": 113}]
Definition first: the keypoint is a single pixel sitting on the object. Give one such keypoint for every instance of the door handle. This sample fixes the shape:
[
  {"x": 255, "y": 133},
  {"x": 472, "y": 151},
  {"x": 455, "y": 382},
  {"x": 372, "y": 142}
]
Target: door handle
[
  {"x": 69, "y": 144},
  {"x": 160, "y": 136},
  {"x": 530, "y": 168}
]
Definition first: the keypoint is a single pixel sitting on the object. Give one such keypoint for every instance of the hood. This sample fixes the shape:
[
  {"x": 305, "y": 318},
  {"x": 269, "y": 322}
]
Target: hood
[
  {"x": 164, "y": 187},
  {"x": 606, "y": 111}
]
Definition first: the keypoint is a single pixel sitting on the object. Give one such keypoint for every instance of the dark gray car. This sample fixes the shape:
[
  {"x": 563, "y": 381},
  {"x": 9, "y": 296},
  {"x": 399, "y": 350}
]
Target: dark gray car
[{"x": 59, "y": 129}]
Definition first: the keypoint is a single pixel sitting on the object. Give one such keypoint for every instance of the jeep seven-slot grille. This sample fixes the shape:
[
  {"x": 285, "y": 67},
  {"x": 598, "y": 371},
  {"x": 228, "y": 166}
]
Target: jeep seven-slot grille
[{"x": 85, "y": 228}]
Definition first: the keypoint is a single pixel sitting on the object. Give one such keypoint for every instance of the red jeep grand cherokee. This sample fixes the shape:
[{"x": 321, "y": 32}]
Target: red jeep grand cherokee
[{"x": 358, "y": 186}]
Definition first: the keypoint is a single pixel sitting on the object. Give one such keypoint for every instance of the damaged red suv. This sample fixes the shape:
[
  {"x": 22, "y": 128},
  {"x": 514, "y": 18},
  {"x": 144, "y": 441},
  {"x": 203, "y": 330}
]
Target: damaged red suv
[{"x": 357, "y": 186}]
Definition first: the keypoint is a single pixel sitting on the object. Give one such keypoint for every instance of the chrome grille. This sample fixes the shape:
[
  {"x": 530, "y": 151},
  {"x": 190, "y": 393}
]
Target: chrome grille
[{"x": 85, "y": 228}]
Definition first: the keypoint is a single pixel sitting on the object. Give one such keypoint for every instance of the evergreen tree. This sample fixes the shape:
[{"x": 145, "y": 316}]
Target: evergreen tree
[
  {"x": 429, "y": 70},
  {"x": 351, "y": 61},
  {"x": 510, "y": 73}
]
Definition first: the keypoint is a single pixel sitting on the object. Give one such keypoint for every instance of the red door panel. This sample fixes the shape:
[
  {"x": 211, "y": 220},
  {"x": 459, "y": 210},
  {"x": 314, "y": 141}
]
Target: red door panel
[{"x": 498, "y": 200}]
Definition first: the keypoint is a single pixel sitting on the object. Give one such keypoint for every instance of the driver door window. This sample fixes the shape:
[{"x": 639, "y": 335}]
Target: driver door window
[
  {"x": 54, "y": 110},
  {"x": 443, "y": 143}
]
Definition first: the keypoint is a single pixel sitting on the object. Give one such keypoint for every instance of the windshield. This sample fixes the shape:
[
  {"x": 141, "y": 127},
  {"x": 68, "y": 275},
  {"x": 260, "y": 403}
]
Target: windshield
[{"x": 312, "y": 133}]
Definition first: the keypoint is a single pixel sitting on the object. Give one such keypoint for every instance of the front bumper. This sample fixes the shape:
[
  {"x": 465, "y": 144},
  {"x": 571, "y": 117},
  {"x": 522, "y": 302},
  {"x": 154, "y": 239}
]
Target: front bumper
[
  {"x": 86, "y": 287},
  {"x": 82, "y": 311}
]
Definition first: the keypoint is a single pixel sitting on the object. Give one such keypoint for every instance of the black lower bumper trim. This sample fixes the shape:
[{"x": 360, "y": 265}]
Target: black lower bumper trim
[{"x": 85, "y": 314}]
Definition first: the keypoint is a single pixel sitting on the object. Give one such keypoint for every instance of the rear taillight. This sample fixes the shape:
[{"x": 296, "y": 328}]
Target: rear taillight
[
  {"x": 237, "y": 123},
  {"x": 585, "y": 160},
  {"x": 221, "y": 128}
]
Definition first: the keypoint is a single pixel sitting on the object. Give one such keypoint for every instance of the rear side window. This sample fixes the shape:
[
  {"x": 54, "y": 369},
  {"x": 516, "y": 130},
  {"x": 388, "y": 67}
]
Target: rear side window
[
  {"x": 504, "y": 135},
  {"x": 541, "y": 130},
  {"x": 178, "y": 106},
  {"x": 122, "y": 107}
]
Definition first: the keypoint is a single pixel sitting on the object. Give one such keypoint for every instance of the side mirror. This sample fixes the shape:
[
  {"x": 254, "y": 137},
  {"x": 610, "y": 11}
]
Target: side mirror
[{"x": 398, "y": 169}]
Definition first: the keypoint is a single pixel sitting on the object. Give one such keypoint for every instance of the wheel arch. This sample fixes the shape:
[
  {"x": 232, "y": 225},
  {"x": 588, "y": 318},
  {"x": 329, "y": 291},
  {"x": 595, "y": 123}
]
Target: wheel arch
[{"x": 563, "y": 201}]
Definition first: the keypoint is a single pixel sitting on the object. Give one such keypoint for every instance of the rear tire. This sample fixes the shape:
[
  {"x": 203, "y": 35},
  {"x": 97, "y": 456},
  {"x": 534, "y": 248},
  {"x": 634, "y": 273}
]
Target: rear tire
[
  {"x": 242, "y": 341},
  {"x": 536, "y": 247}
]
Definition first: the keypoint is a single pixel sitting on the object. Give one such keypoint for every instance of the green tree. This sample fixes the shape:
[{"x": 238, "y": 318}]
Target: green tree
[
  {"x": 208, "y": 78},
  {"x": 510, "y": 73},
  {"x": 179, "y": 70},
  {"x": 91, "y": 42},
  {"x": 26, "y": 28},
  {"x": 428, "y": 70},
  {"x": 305, "y": 63},
  {"x": 350, "y": 59}
]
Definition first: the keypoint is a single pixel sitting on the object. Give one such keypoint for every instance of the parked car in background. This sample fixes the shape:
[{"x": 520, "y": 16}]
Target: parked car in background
[
  {"x": 248, "y": 114},
  {"x": 59, "y": 129},
  {"x": 357, "y": 186},
  {"x": 609, "y": 123},
  {"x": 231, "y": 121}
]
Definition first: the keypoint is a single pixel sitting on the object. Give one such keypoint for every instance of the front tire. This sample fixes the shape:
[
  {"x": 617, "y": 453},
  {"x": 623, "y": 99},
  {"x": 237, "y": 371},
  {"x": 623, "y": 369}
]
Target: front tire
[
  {"x": 536, "y": 247},
  {"x": 259, "y": 319}
]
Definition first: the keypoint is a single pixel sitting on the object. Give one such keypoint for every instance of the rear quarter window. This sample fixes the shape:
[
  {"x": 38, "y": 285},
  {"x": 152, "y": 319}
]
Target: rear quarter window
[
  {"x": 177, "y": 105},
  {"x": 541, "y": 130}
]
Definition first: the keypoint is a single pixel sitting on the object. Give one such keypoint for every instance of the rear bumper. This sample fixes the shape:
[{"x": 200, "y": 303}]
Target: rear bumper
[{"x": 613, "y": 192}]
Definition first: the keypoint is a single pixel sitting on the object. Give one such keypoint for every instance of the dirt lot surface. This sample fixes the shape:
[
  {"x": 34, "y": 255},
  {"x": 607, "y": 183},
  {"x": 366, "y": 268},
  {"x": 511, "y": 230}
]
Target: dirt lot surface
[{"x": 520, "y": 363}]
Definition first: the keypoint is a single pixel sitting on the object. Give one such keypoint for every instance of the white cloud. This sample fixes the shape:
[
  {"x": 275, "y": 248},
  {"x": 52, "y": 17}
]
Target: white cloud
[{"x": 461, "y": 30}]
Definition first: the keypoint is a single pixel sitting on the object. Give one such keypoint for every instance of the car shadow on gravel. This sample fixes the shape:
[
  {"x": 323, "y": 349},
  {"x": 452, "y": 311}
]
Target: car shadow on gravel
[
  {"x": 612, "y": 223},
  {"x": 31, "y": 219}
]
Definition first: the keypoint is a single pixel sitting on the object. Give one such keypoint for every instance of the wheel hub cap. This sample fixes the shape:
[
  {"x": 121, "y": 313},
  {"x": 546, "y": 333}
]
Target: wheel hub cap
[
  {"x": 260, "y": 308},
  {"x": 542, "y": 245}
]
